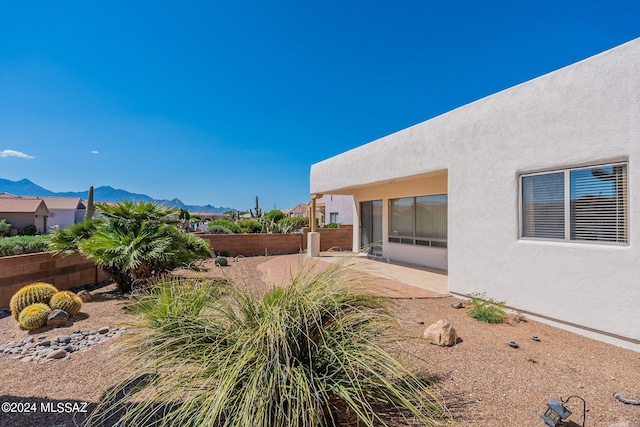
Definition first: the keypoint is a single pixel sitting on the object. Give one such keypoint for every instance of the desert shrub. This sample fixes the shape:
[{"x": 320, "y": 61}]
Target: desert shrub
[
  {"x": 20, "y": 245},
  {"x": 250, "y": 226},
  {"x": 294, "y": 223},
  {"x": 301, "y": 354},
  {"x": 218, "y": 229},
  {"x": 221, "y": 261},
  {"x": 5, "y": 228},
  {"x": 275, "y": 215},
  {"x": 230, "y": 225},
  {"x": 30, "y": 230},
  {"x": 486, "y": 309}
]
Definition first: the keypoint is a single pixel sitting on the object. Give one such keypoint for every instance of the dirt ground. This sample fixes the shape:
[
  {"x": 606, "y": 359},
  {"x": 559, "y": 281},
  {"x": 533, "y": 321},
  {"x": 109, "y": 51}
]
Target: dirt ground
[{"x": 482, "y": 380}]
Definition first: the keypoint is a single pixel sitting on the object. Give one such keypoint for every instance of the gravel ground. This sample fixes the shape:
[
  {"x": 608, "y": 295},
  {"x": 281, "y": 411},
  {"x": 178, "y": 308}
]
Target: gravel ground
[{"x": 483, "y": 381}]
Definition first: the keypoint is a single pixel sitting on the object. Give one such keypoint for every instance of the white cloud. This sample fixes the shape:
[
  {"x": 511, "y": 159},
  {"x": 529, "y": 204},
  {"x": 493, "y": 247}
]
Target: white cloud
[
  {"x": 94, "y": 152},
  {"x": 14, "y": 153}
]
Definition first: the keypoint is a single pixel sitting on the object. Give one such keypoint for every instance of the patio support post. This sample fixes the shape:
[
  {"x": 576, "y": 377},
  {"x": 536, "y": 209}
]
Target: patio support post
[{"x": 313, "y": 237}]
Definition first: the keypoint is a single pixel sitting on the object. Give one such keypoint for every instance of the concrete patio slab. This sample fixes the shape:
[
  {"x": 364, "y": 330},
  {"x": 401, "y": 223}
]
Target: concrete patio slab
[{"x": 381, "y": 278}]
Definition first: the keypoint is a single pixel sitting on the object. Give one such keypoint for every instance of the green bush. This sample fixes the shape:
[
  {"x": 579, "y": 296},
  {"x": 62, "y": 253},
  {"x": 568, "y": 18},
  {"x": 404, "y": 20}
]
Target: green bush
[
  {"x": 30, "y": 230},
  {"x": 5, "y": 228},
  {"x": 294, "y": 223},
  {"x": 275, "y": 215},
  {"x": 20, "y": 245},
  {"x": 250, "y": 226},
  {"x": 486, "y": 309},
  {"x": 301, "y": 354},
  {"x": 331, "y": 225},
  {"x": 218, "y": 229},
  {"x": 230, "y": 225}
]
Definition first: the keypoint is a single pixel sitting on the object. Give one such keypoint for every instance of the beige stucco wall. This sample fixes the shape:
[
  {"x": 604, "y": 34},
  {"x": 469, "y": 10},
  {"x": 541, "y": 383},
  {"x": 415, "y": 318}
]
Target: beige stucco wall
[
  {"x": 585, "y": 114},
  {"x": 19, "y": 220}
]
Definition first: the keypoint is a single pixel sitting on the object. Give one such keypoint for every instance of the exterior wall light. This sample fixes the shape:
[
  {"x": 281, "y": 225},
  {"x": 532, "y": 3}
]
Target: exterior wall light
[{"x": 557, "y": 412}]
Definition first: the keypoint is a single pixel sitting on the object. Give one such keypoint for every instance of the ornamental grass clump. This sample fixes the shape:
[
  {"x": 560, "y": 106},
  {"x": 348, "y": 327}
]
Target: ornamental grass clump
[{"x": 302, "y": 354}]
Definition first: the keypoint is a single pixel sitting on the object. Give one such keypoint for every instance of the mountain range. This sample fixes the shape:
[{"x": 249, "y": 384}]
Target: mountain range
[{"x": 25, "y": 187}]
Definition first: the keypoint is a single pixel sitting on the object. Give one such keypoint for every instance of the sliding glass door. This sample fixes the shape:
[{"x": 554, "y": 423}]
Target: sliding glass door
[{"x": 371, "y": 226}]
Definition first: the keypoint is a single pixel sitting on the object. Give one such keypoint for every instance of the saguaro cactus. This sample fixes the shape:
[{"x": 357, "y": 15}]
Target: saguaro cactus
[
  {"x": 258, "y": 212},
  {"x": 90, "y": 208}
]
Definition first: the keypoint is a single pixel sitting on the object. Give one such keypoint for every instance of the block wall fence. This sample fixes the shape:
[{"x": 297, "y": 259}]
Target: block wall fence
[
  {"x": 62, "y": 272},
  {"x": 71, "y": 271},
  {"x": 279, "y": 244}
]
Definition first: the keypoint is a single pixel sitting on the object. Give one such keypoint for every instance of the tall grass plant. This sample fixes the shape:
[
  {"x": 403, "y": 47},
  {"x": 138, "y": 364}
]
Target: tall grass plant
[{"x": 301, "y": 354}]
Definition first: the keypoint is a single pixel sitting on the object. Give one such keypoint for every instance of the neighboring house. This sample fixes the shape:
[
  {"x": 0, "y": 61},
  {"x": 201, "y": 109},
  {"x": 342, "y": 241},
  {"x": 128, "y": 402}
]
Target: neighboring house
[
  {"x": 300, "y": 211},
  {"x": 335, "y": 209},
  {"x": 529, "y": 195},
  {"x": 64, "y": 211},
  {"x": 21, "y": 212}
]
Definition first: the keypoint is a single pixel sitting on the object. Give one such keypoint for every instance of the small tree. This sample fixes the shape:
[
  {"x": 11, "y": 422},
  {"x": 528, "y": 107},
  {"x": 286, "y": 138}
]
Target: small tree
[
  {"x": 5, "y": 228},
  {"x": 275, "y": 215}
]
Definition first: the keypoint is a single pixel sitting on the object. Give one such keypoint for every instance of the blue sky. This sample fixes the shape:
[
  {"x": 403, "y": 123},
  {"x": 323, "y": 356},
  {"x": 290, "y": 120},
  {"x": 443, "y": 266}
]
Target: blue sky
[{"x": 219, "y": 101}]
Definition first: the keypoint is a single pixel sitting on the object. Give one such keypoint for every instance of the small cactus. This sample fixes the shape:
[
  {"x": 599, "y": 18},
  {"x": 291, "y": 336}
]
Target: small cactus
[
  {"x": 31, "y": 294},
  {"x": 34, "y": 316},
  {"x": 67, "y": 301},
  {"x": 221, "y": 261}
]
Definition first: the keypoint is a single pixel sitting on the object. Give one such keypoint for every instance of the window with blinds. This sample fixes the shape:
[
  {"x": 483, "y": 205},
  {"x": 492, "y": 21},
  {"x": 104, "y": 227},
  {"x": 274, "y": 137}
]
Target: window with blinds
[
  {"x": 419, "y": 220},
  {"x": 581, "y": 204}
]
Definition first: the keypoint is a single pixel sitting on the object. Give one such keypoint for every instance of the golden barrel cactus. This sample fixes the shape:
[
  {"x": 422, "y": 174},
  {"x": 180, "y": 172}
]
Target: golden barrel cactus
[
  {"x": 67, "y": 301},
  {"x": 31, "y": 294},
  {"x": 34, "y": 316}
]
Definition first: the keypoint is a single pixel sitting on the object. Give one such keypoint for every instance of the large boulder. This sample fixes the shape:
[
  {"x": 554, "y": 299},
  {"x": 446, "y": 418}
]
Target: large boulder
[{"x": 441, "y": 333}]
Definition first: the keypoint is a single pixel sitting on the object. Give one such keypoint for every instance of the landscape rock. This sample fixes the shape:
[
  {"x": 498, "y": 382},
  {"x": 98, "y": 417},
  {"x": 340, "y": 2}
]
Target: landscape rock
[
  {"x": 457, "y": 304},
  {"x": 59, "y": 348},
  {"x": 441, "y": 333},
  {"x": 85, "y": 296},
  {"x": 65, "y": 339},
  {"x": 57, "y": 354},
  {"x": 57, "y": 318},
  {"x": 625, "y": 424}
]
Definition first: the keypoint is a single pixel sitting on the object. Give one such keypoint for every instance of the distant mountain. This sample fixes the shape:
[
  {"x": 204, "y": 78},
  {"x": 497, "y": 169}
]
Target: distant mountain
[{"x": 25, "y": 187}]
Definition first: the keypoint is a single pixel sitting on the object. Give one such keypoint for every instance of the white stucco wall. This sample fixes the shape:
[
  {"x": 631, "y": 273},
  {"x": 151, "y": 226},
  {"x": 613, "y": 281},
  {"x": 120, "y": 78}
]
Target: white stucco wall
[
  {"x": 343, "y": 205},
  {"x": 584, "y": 114},
  {"x": 61, "y": 218}
]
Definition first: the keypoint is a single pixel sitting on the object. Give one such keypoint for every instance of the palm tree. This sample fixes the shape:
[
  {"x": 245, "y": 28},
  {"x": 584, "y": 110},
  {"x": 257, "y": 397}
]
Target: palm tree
[{"x": 135, "y": 242}]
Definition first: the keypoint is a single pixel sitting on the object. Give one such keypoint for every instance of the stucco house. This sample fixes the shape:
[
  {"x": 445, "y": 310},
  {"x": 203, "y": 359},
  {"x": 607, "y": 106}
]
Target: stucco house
[
  {"x": 65, "y": 211},
  {"x": 22, "y": 212},
  {"x": 335, "y": 209},
  {"x": 529, "y": 195}
]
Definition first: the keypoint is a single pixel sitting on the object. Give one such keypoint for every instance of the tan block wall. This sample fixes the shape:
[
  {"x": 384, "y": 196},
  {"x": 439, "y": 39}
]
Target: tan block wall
[
  {"x": 62, "y": 272},
  {"x": 279, "y": 244},
  {"x": 255, "y": 244}
]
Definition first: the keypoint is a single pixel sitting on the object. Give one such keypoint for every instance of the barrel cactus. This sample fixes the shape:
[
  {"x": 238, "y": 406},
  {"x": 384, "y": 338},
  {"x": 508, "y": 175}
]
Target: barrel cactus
[
  {"x": 67, "y": 301},
  {"x": 34, "y": 316},
  {"x": 31, "y": 294},
  {"x": 221, "y": 261}
]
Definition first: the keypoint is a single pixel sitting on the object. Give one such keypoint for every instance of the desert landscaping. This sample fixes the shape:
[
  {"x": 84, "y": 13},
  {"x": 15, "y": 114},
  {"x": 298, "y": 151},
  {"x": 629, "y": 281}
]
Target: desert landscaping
[{"x": 481, "y": 379}]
